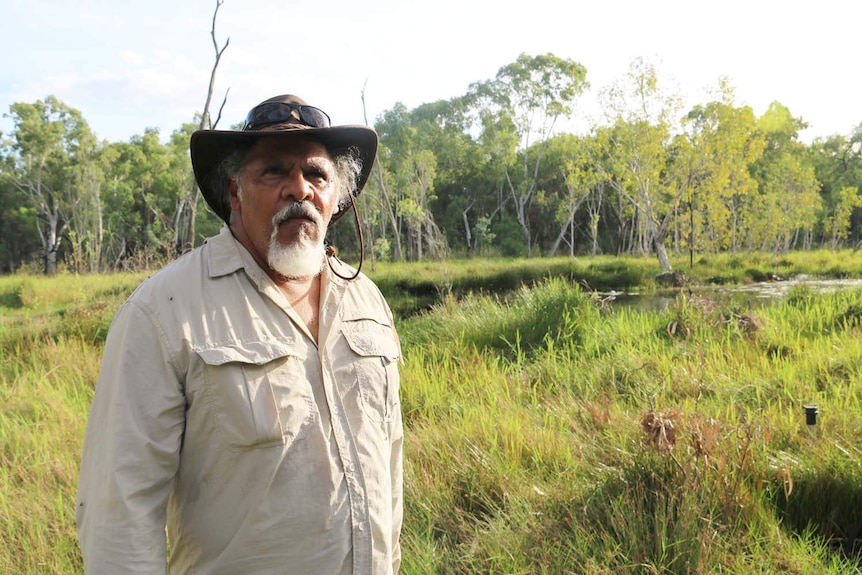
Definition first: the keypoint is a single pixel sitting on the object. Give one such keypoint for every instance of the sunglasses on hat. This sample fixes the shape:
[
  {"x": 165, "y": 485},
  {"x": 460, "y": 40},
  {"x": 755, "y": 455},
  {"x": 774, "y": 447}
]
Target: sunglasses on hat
[{"x": 270, "y": 113}]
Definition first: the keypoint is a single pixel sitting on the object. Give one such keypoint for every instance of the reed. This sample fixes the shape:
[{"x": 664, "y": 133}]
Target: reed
[{"x": 547, "y": 432}]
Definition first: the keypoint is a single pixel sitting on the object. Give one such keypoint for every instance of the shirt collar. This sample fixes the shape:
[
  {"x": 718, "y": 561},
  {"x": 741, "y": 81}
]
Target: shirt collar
[{"x": 225, "y": 255}]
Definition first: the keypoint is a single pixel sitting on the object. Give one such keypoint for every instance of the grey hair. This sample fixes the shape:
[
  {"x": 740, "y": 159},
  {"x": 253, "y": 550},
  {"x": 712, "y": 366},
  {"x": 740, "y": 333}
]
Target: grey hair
[
  {"x": 229, "y": 169},
  {"x": 348, "y": 167}
]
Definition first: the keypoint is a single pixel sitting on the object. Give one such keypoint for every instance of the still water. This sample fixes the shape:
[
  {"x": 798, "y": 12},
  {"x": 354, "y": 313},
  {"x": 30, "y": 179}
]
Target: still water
[{"x": 753, "y": 296}]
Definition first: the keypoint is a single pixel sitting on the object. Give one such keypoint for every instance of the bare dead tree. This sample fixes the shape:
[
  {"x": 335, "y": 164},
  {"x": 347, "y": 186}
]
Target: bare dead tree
[
  {"x": 388, "y": 208},
  {"x": 206, "y": 123}
]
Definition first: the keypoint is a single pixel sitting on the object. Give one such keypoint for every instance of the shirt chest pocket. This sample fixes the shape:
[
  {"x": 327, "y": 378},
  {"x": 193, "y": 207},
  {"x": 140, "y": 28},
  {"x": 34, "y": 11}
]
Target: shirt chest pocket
[
  {"x": 258, "y": 392},
  {"x": 376, "y": 355}
]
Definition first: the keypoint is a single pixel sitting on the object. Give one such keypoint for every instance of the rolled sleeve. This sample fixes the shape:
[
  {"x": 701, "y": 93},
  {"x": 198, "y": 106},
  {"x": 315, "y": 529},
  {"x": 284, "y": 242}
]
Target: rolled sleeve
[{"x": 131, "y": 449}]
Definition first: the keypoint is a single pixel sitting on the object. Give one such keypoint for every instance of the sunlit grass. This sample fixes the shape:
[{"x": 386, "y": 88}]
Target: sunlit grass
[
  {"x": 546, "y": 433},
  {"x": 44, "y": 400}
]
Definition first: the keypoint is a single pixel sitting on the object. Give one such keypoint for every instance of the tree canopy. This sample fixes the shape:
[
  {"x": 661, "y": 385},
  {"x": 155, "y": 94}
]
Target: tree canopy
[{"x": 486, "y": 172}]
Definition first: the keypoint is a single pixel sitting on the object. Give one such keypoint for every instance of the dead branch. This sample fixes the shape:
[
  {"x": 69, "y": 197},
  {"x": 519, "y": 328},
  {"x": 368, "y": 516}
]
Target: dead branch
[{"x": 218, "y": 55}]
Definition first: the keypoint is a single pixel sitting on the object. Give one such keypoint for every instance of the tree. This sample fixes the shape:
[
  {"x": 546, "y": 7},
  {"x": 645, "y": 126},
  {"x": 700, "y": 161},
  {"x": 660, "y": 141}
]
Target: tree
[
  {"x": 576, "y": 177},
  {"x": 638, "y": 143},
  {"x": 838, "y": 167},
  {"x": 722, "y": 142},
  {"x": 144, "y": 197},
  {"x": 19, "y": 241},
  {"x": 837, "y": 223},
  {"x": 520, "y": 106},
  {"x": 789, "y": 202},
  {"x": 189, "y": 206},
  {"x": 48, "y": 159}
]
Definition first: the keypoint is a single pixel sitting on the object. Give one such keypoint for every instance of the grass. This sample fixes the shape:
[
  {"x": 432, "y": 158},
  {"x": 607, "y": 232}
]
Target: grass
[
  {"x": 545, "y": 433},
  {"x": 416, "y": 287},
  {"x": 631, "y": 442}
]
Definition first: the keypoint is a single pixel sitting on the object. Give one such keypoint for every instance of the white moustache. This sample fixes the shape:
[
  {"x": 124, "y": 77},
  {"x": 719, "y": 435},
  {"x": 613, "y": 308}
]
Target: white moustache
[{"x": 298, "y": 210}]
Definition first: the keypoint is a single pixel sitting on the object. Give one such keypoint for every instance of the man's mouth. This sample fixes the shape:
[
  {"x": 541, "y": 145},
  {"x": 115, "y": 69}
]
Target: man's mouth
[{"x": 293, "y": 218}]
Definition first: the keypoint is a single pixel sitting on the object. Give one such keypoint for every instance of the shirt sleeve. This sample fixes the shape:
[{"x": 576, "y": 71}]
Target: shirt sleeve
[
  {"x": 131, "y": 450},
  {"x": 397, "y": 470},
  {"x": 396, "y": 466}
]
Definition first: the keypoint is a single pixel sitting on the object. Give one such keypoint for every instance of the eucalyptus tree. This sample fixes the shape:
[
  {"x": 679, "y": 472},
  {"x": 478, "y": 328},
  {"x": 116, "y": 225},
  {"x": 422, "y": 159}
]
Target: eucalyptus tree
[
  {"x": 838, "y": 167},
  {"x": 190, "y": 226},
  {"x": 461, "y": 199},
  {"x": 787, "y": 207},
  {"x": 519, "y": 108},
  {"x": 19, "y": 240},
  {"x": 573, "y": 177},
  {"x": 396, "y": 144},
  {"x": 47, "y": 160},
  {"x": 638, "y": 141},
  {"x": 422, "y": 152},
  {"x": 144, "y": 195},
  {"x": 721, "y": 143},
  {"x": 86, "y": 219}
]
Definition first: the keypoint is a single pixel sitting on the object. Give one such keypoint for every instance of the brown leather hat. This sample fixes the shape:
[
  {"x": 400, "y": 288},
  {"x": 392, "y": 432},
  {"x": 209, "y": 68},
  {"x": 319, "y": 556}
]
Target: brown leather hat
[{"x": 284, "y": 117}]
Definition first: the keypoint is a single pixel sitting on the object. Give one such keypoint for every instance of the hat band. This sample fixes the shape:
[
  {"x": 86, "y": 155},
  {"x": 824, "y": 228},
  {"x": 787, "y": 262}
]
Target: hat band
[{"x": 270, "y": 113}]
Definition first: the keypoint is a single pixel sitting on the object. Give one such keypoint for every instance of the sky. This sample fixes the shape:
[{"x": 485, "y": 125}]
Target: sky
[{"x": 128, "y": 66}]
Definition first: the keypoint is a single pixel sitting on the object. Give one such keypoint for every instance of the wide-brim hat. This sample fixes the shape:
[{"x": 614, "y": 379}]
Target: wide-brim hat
[{"x": 284, "y": 117}]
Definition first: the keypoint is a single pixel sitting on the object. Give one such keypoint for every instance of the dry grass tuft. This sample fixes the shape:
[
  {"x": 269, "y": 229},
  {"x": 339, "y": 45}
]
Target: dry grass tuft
[{"x": 660, "y": 429}]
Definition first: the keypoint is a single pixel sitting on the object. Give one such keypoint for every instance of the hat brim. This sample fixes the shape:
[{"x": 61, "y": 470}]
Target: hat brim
[{"x": 209, "y": 148}]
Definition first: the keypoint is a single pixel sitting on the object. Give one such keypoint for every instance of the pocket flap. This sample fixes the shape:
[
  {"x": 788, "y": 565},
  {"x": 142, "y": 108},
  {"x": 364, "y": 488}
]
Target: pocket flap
[
  {"x": 372, "y": 343},
  {"x": 250, "y": 352}
]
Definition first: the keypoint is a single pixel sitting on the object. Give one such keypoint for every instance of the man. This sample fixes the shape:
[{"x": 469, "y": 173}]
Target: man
[{"x": 248, "y": 396}]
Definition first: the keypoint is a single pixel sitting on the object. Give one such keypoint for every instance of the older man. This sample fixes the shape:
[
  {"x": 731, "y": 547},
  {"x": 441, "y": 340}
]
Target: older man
[{"x": 248, "y": 396}]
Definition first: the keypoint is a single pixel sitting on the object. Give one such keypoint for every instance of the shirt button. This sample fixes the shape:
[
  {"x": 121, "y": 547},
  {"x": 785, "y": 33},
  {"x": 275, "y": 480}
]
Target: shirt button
[{"x": 349, "y": 468}]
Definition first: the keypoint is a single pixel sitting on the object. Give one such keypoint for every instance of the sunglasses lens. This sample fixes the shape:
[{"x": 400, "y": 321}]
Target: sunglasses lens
[
  {"x": 279, "y": 112},
  {"x": 313, "y": 116}
]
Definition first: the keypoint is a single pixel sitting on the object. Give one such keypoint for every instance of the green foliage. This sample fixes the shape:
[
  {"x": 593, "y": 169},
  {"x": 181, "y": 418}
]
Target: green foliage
[
  {"x": 485, "y": 173},
  {"x": 511, "y": 243}
]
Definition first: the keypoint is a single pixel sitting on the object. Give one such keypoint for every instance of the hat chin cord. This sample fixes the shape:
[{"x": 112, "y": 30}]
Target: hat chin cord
[{"x": 331, "y": 253}]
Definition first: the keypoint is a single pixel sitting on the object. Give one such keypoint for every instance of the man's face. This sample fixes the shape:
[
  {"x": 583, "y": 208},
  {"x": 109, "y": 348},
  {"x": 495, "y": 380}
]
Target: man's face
[{"x": 285, "y": 197}]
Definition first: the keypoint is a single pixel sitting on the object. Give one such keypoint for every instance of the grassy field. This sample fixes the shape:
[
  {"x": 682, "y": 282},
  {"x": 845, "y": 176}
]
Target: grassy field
[{"x": 546, "y": 432}]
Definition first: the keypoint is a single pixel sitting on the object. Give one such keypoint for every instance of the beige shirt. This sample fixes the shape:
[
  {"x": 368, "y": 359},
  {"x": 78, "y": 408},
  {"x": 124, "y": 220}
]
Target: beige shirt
[{"x": 217, "y": 415}]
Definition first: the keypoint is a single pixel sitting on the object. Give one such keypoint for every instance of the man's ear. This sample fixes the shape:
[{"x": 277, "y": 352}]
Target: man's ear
[{"x": 233, "y": 194}]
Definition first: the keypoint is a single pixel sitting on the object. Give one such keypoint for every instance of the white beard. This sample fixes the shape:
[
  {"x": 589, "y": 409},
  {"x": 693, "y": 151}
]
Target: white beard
[{"x": 305, "y": 257}]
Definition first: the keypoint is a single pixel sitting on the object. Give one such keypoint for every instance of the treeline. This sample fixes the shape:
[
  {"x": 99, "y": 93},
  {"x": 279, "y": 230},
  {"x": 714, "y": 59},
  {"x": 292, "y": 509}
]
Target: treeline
[{"x": 490, "y": 172}]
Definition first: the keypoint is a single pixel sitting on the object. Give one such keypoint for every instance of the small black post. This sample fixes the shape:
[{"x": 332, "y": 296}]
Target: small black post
[{"x": 810, "y": 416}]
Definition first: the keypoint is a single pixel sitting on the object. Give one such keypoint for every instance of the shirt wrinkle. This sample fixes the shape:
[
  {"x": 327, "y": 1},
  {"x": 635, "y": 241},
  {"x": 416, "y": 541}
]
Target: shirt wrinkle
[{"x": 171, "y": 359}]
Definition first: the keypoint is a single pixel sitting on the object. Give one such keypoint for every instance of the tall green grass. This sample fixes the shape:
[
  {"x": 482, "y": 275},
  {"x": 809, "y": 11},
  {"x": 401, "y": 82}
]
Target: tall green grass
[
  {"x": 545, "y": 432},
  {"x": 550, "y": 436},
  {"x": 51, "y": 335}
]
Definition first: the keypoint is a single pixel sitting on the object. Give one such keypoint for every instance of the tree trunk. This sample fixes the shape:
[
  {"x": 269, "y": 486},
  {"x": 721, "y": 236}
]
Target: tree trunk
[
  {"x": 663, "y": 260},
  {"x": 396, "y": 233},
  {"x": 205, "y": 123},
  {"x": 51, "y": 244},
  {"x": 467, "y": 232}
]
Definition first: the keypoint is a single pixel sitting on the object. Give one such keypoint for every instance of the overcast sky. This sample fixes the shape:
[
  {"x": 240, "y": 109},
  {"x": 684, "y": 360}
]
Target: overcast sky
[{"x": 131, "y": 65}]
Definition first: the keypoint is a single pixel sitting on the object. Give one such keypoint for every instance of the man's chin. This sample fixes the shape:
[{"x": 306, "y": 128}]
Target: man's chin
[
  {"x": 298, "y": 260},
  {"x": 295, "y": 232}
]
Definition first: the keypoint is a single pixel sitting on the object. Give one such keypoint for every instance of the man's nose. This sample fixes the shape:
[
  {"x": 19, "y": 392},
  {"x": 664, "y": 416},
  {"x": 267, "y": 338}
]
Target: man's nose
[{"x": 296, "y": 187}]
